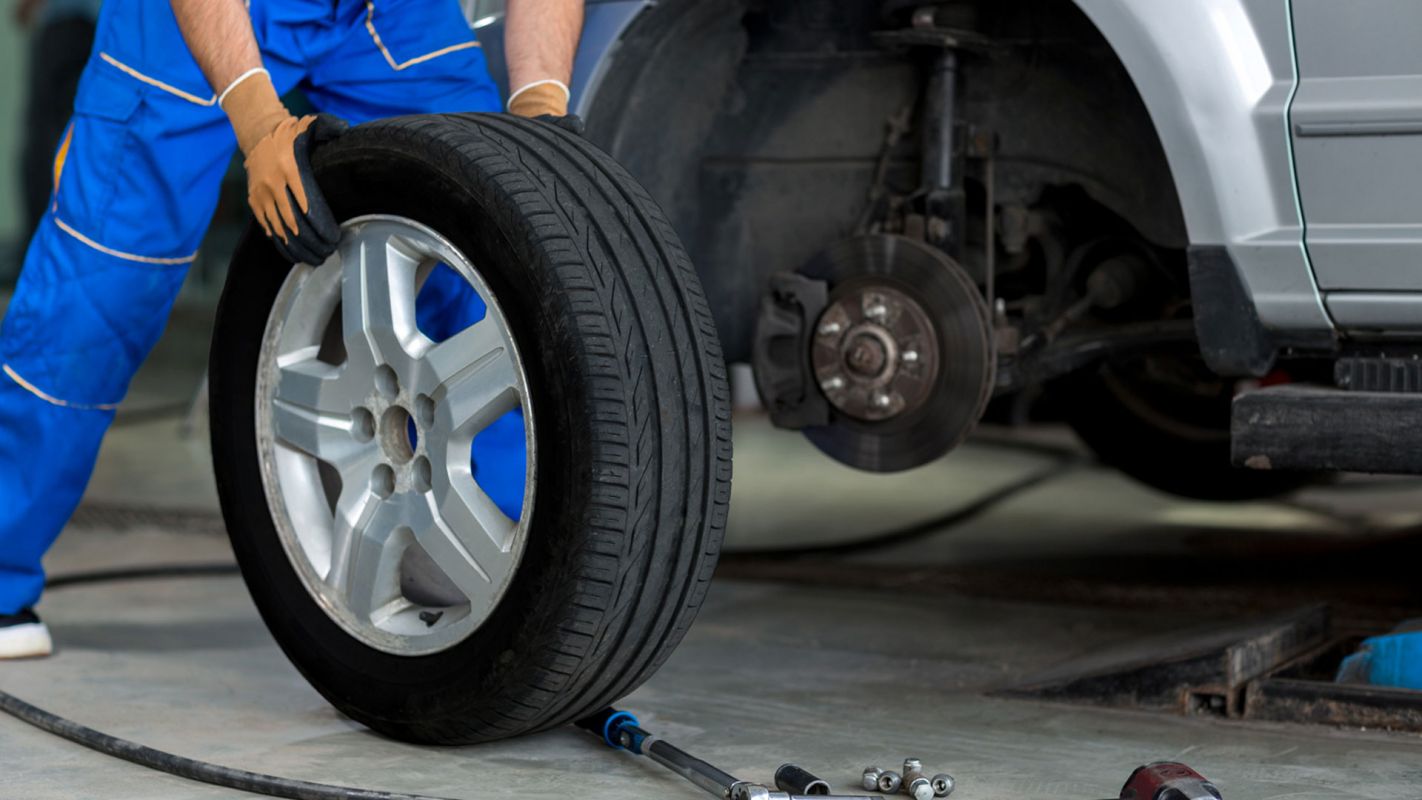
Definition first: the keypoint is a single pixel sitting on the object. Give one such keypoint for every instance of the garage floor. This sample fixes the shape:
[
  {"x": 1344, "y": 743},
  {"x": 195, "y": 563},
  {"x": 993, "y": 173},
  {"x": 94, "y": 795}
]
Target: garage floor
[{"x": 833, "y": 662}]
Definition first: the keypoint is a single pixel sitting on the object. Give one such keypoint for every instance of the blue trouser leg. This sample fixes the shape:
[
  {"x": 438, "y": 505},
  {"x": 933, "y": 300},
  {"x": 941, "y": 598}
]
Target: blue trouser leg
[
  {"x": 136, "y": 182},
  {"x": 70, "y": 342},
  {"x": 39, "y": 492}
]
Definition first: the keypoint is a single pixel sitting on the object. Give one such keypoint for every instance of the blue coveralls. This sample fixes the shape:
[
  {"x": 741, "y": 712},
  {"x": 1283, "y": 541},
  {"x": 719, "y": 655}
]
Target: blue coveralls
[{"x": 136, "y": 182}]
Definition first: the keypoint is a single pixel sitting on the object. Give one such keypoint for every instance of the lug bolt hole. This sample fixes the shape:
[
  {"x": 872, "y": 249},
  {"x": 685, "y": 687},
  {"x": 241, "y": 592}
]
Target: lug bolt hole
[
  {"x": 386, "y": 382},
  {"x": 424, "y": 474},
  {"x": 382, "y": 480},
  {"x": 425, "y": 410},
  {"x": 362, "y": 425}
]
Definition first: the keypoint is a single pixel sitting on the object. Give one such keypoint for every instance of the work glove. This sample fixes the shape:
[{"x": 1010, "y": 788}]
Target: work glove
[
  {"x": 572, "y": 123},
  {"x": 546, "y": 101},
  {"x": 281, "y": 187}
]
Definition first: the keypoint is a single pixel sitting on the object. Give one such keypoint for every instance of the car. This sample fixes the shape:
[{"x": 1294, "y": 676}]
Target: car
[{"x": 1126, "y": 214}]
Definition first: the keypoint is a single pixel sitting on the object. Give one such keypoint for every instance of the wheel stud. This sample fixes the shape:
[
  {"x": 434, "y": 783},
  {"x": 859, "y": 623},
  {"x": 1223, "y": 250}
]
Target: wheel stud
[
  {"x": 830, "y": 329},
  {"x": 834, "y": 383},
  {"x": 910, "y": 356},
  {"x": 875, "y": 309}
]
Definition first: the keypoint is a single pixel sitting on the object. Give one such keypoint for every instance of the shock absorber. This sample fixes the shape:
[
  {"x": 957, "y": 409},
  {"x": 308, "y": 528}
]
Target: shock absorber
[{"x": 943, "y": 192}]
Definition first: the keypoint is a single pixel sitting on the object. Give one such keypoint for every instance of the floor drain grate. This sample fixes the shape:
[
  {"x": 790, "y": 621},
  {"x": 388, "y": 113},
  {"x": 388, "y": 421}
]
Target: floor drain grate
[{"x": 1278, "y": 668}]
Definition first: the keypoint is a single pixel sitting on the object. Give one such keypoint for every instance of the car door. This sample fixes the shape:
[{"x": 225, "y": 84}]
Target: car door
[{"x": 1356, "y": 128}]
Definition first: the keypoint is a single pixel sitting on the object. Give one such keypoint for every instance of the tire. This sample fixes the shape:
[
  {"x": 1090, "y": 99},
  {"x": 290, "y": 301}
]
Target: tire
[
  {"x": 630, "y": 408},
  {"x": 1165, "y": 422}
]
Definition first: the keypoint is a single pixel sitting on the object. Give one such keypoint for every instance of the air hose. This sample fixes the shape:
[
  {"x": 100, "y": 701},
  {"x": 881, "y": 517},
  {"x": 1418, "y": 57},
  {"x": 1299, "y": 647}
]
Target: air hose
[{"x": 180, "y": 766}]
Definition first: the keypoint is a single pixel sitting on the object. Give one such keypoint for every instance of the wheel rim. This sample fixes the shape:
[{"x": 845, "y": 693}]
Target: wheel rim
[{"x": 366, "y": 429}]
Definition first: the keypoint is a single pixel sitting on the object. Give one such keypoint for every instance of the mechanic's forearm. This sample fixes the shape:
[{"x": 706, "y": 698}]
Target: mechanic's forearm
[
  {"x": 540, "y": 40},
  {"x": 219, "y": 35}
]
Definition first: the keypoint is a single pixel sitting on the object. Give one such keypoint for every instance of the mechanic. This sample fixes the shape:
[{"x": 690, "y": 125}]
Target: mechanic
[{"x": 169, "y": 90}]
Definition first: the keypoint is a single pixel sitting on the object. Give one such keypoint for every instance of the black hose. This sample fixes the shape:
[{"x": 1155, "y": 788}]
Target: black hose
[
  {"x": 139, "y": 416},
  {"x": 917, "y": 530},
  {"x": 189, "y": 768},
  {"x": 999, "y": 439},
  {"x": 180, "y": 766},
  {"x": 216, "y": 568}
]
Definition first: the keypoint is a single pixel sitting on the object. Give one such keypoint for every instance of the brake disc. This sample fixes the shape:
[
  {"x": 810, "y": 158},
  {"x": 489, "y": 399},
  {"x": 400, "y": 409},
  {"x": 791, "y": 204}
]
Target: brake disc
[{"x": 903, "y": 352}]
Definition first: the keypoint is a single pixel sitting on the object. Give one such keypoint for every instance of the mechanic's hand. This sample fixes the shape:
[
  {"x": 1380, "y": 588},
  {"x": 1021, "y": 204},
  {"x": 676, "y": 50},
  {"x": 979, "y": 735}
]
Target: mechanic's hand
[
  {"x": 546, "y": 101},
  {"x": 281, "y": 188}
]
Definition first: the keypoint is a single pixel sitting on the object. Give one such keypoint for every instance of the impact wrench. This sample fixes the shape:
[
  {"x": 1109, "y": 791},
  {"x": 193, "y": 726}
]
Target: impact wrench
[
  {"x": 621, "y": 731},
  {"x": 1168, "y": 780}
]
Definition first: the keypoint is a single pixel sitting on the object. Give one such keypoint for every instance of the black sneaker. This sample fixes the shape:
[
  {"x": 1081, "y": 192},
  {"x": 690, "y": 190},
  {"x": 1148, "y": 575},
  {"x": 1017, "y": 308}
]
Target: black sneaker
[{"x": 22, "y": 635}]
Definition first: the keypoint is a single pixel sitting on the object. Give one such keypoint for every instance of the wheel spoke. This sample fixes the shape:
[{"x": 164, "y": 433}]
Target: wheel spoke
[
  {"x": 378, "y": 295},
  {"x": 365, "y": 558},
  {"x": 476, "y": 377},
  {"x": 468, "y": 536},
  {"x": 307, "y": 413}
]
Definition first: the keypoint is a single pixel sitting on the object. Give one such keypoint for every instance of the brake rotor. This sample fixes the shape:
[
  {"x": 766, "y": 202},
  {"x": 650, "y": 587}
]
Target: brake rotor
[{"x": 903, "y": 352}]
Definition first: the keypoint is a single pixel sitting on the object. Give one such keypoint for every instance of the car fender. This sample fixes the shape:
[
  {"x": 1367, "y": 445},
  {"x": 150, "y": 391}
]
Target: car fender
[{"x": 1218, "y": 77}]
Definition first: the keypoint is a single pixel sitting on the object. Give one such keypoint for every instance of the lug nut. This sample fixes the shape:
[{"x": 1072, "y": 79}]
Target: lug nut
[
  {"x": 830, "y": 329},
  {"x": 910, "y": 356},
  {"x": 943, "y": 784},
  {"x": 917, "y": 786},
  {"x": 883, "y": 400},
  {"x": 889, "y": 781},
  {"x": 871, "y": 779},
  {"x": 834, "y": 384}
]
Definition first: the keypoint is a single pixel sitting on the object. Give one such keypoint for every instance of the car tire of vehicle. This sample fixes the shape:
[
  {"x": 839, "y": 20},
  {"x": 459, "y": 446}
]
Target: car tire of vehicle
[
  {"x": 629, "y": 392},
  {"x": 1177, "y": 444}
]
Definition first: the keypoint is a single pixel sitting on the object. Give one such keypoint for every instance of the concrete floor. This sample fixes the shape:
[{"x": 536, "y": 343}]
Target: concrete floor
[{"x": 886, "y": 654}]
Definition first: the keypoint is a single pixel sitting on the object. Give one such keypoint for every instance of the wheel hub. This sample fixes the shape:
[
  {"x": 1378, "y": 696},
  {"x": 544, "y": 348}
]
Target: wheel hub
[
  {"x": 880, "y": 348},
  {"x": 875, "y": 353},
  {"x": 400, "y": 447}
]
